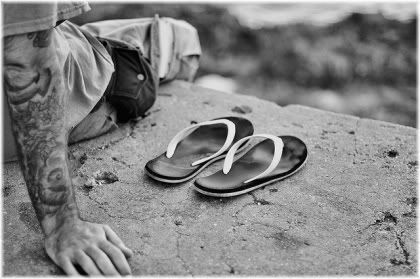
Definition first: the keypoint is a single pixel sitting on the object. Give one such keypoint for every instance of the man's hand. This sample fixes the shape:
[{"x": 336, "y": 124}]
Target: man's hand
[{"x": 94, "y": 247}]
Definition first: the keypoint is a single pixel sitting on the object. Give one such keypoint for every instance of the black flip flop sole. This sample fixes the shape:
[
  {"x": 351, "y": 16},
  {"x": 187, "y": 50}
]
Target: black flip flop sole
[
  {"x": 202, "y": 142},
  {"x": 253, "y": 162}
]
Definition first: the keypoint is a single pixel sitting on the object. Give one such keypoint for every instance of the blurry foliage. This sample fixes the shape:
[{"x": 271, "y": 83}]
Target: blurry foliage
[{"x": 361, "y": 49}]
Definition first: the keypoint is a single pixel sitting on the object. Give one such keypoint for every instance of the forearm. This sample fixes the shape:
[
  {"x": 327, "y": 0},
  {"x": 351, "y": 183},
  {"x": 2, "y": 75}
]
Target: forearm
[
  {"x": 46, "y": 173},
  {"x": 36, "y": 95}
]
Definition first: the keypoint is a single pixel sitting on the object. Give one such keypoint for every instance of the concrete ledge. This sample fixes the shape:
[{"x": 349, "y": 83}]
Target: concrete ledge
[{"x": 350, "y": 211}]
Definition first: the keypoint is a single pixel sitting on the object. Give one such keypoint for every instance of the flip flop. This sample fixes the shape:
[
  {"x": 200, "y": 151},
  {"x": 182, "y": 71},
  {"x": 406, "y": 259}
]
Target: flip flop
[
  {"x": 188, "y": 152},
  {"x": 262, "y": 164}
]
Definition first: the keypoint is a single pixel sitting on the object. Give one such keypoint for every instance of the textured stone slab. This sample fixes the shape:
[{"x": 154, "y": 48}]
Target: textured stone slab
[{"x": 351, "y": 210}]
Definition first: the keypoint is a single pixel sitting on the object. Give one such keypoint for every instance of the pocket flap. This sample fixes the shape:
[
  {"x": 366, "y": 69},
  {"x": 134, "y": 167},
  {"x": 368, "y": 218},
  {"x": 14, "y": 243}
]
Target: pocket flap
[{"x": 130, "y": 73}]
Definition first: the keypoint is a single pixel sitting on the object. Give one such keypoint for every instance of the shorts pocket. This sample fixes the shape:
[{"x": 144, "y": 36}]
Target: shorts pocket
[{"x": 134, "y": 85}]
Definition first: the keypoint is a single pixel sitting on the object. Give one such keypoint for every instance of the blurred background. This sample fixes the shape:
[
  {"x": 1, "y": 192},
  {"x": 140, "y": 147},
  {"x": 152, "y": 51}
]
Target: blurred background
[{"x": 353, "y": 58}]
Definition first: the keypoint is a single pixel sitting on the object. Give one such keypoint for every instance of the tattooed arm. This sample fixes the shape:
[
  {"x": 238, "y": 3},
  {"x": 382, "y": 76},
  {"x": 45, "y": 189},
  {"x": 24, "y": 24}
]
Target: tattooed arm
[{"x": 36, "y": 92}]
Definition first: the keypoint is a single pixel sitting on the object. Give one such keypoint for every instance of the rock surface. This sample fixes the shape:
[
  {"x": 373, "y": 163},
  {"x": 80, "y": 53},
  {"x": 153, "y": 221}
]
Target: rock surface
[{"x": 350, "y": 211}]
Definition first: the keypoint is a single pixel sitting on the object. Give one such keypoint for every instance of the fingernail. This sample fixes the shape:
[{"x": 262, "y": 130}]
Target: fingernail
[{"x": 130, "y": 251}]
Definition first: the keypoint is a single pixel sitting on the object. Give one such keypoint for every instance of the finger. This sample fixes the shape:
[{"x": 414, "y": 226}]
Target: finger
[
  {"x": 86, "y": 263},
  {"x": 117, "y": 257},
  {"x": 102, "y": 261},
  {"x": 67, "y": 266},
  {"x": 114, "y": 239}
]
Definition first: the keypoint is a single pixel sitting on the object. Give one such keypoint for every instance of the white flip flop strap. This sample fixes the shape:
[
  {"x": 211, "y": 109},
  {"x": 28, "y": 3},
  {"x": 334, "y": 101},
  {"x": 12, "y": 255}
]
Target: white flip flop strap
[
  {"x": 278, "y": 150},
  {"x": 231, "y": 130}
]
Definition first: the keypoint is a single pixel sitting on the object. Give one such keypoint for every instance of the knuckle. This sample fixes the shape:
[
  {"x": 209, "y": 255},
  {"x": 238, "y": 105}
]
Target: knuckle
[
  {"x": 91, "y": 249},
  {"x": 49, "y": 247},
  {"x": 60, "y": 257},
  {"x": 104, "y": 244},
  {"x": 78, "y": 253}
]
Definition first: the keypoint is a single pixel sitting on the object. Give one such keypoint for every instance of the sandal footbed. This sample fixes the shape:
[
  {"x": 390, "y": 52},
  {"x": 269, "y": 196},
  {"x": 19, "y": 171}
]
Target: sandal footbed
[
  {"x": 202, "y": 142},
  {"x": 254, "y": 162}
]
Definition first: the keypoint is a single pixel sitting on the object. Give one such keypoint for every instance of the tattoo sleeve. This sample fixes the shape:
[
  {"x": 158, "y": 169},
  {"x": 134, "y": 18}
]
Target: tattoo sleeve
[{"x": 36, "y": 94}]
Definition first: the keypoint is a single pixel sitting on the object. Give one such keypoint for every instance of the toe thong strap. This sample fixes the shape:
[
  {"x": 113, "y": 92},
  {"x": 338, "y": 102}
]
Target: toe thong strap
[
  {"x": 278, "y": 150},
  {"x": 231, "y": 129}
]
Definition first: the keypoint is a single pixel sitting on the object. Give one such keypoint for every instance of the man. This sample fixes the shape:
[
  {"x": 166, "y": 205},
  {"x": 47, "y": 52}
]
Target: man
[{"x": 61, "y": 87}]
